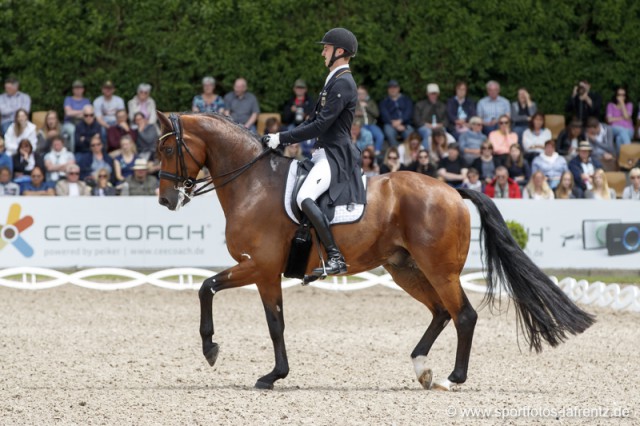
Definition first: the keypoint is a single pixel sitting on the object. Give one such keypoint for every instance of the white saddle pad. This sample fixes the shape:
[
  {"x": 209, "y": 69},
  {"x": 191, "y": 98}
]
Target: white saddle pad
[{"x": 342, "y": 214}]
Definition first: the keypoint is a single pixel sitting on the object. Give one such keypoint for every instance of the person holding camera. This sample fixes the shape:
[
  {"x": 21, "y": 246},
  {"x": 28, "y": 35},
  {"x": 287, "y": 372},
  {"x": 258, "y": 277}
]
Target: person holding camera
[{"x": 584, "y": 102}]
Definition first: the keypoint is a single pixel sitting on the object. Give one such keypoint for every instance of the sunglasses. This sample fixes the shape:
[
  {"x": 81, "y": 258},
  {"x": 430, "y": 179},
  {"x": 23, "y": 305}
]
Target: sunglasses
[
  {"x": 634, "y": 177},
  {"x": 502, "y": 123},
  {"x": 423, "y": 156},
  {"x": 89, "y": 115},
  {"x": 486, "y": 148},
  {"x": 73, "y": 173},
  {"x": 103, "y": 176},
  {"x": 366, "y": 157},
  {"x": 36, "y": 176},
  {"x": 393, "y": 158}
]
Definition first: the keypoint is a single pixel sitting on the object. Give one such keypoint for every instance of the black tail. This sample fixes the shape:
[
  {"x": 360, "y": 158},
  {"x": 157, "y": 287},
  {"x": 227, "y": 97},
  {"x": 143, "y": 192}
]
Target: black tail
[{"x": 543, "y": 310}]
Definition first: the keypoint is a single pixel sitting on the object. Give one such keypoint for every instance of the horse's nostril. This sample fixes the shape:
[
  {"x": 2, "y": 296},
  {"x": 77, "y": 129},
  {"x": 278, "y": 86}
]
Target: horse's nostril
[{"x": 164, "y": 201}]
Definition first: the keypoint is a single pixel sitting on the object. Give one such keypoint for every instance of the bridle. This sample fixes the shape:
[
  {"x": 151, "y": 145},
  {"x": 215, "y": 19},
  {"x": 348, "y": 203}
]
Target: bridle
[{"x": 183, "y": 182}]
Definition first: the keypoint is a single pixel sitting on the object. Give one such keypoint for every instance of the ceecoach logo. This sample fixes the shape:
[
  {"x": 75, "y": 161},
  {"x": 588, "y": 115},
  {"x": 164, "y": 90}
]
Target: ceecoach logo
[{"x": 10, "y": 232}]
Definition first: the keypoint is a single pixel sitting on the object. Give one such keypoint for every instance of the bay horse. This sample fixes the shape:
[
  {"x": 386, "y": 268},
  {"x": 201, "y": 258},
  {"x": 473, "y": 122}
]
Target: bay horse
[{"x": 416, "y": 227}]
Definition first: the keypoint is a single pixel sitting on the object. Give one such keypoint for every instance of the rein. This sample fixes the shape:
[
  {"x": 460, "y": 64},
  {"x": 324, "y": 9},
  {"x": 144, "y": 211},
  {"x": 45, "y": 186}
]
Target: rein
[{"x": 183, "y": 180}]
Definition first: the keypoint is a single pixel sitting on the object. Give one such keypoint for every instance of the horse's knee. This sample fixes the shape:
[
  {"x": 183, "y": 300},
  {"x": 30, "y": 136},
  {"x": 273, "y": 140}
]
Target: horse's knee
[
  {"x": 467, "y": 318},
  {"x": 207, "y": 288}
]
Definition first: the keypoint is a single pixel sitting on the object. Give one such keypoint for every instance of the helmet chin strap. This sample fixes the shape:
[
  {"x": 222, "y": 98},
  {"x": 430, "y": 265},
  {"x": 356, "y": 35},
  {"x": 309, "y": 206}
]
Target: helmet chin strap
[{"x": 334, "y": 58}]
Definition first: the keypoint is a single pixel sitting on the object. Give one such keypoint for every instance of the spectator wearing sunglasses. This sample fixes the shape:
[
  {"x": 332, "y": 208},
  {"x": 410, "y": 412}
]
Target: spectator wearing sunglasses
[
  {"x": 103, "y": 187},
  {"x": 503, "y": 138},
  {"x": 632, "y": 192},
  {"x": 86, "y": 129},
  {"x": 72, "y": 186},
  {"x": 38, "y": 186}
]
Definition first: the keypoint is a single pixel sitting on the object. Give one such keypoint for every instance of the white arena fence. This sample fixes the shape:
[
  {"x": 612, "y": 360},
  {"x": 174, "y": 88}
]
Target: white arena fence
[{"x": 600, "y": 294}]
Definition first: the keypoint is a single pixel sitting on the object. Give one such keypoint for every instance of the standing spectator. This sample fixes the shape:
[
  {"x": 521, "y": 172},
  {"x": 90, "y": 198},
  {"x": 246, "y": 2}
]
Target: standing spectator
[
  {"x": 492, "y": 107},
  {"x": 73, "y": 113},
  {"x": 452, "y": 169},
  {"x": 550, "y": 163},
  {"x": 72, "y": 186},
  {"x": 106, "y": 106},
  {"x": 242, "y": 106},
  {"x": 21, "y": 128},
  {"x": 367, "y": 110},
  {"x": 459, "y": 109},
  {"x": 632, "y": 192},
  {"x": 50, "y": 129},
  {"x": 619, "y": 113},
  {"x": 424, "y": 165},
  {"x": 522, "y": 111},
  {"x": 600, "y": 190},
  {"x": 396, "y": 112},
  {"x": 600, "y": 136},
  {"x": 569, "y": 138},
  {"x": 472, "y": 140},
  {"x": 517, "y": 166},
  {"x": 391, "y": 161},
  {"x": 144, "y": 103},
  {"x": 360, "y": 136},
  {"x": 503, "y": 138},
  {"x": 26, "y": 159},
  {"x": 486, "y": 164},
  {"x": 7, "y": 188},
  {"x": 430, "y": 114},
  {"x": 534, "y": 138},
  {"x": 583, "y": 103},
  {"x": 103, "y": 187},
  {"x": 57, "y": 160},
  {"x": 369, "y": 166},
  {"x": 208, "y": 101},
  {"x": 473, "y": 180},
  {"x": 140, "y": 183},
  {"x": 117, "y": 131},
  {"x": 567, "y": 190},
  {"x": 409, "y": 149},
  {"x": 94, "y": 160},
  {"x": 5, "y": 158},
  {"x": 146, "y": 137},
  {"x": 86, "y": 129},
  {"x": 123, "y": 163},
  {"x": 502, "y": 186},
  {"x": 299, "y": 107},
  {"x": 38, "y": 186},
  {"x": 537, "y": 188},
  {"x": 583, "y": 166},
  {"x": 11, "y": 101}
]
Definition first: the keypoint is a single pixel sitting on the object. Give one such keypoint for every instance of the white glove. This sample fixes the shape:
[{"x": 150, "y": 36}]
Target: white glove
[{"x": 274, "y": 140}]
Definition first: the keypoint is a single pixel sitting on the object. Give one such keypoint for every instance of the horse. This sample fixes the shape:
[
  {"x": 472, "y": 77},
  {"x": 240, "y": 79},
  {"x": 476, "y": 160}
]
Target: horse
[{"x": 416, "y": 227}]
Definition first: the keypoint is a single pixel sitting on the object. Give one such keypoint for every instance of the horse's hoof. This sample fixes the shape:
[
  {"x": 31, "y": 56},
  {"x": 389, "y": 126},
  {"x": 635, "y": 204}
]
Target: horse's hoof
[
  {"x": 263, "y": 385},
  {"x": 423, "y": 373},
  {"x": 212, "y": 354},
  {"x": 426, "y": 379},
  {"x": 445, "y": 385}
]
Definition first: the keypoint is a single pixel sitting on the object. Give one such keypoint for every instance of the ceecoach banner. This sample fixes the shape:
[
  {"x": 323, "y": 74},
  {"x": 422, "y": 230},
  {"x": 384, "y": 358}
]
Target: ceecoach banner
[{"x": 136, "y": 232}]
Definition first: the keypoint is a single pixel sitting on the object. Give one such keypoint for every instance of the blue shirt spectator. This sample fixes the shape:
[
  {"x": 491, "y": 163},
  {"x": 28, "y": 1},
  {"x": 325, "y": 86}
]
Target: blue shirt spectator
[
  {"x": 396, "y": 113},
  {"x": 5, "y": 159},
  {"x": 471, "y": 140},
  {"x": 492, "y": 106},
  {"x": 361, "y": 136},
  {"x": 242, "y": 106},
  {"x": 11, "y": 101}
]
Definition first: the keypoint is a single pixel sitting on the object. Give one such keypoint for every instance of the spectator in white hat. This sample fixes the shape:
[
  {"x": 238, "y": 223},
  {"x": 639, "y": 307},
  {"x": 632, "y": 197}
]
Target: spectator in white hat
[{"x": 430, "y": 114}]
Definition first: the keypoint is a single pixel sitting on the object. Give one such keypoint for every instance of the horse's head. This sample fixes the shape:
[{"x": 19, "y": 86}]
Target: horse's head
[{"x": 182, "y": 154}]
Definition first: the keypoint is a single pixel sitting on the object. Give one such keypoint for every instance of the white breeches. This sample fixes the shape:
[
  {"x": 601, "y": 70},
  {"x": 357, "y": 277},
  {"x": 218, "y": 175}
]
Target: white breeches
[{"x": 318, "y": 180}]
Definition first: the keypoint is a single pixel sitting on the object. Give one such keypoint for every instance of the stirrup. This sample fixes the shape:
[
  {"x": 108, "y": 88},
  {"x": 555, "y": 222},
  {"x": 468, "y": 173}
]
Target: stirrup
[{"x": 334, "y": 266}]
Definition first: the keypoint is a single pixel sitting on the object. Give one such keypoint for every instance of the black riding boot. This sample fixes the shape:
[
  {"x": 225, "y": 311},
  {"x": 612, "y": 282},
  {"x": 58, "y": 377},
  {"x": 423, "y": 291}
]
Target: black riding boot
[{"x": 335, "y": 264}]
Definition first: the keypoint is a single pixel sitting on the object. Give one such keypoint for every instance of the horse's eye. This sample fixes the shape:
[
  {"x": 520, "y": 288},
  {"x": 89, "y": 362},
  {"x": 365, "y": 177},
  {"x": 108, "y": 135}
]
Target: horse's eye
[{"x": 168, "y": 150}]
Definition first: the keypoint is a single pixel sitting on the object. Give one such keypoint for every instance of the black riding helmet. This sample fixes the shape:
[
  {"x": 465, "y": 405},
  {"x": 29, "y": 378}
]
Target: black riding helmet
[{"x": 342, "y": 38}]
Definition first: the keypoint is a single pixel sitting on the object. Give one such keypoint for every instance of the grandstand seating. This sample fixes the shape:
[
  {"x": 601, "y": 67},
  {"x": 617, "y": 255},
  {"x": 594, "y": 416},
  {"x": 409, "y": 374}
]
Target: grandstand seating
[
  {"x": 262, "y": 119},
  {"x": 555, "y": 123},
  {"x": 629, "y": 156},
  {"x": 617, "y": 181}
]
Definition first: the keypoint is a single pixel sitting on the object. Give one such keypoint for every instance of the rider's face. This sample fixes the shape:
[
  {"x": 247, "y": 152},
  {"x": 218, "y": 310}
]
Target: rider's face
[{"x": 327, "y": 52}]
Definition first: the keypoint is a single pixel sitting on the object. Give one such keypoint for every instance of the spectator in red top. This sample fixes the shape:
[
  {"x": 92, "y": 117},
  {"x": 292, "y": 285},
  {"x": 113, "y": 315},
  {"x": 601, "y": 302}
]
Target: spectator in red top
[
  {"x": 502, "y": 186},
  {"x": 118, "y": 130}
]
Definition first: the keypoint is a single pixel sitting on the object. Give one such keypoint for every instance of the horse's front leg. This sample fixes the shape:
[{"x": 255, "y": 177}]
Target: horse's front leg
[
  {"x": 240, "y": 275},
  {"x": 271, "y": 294}
]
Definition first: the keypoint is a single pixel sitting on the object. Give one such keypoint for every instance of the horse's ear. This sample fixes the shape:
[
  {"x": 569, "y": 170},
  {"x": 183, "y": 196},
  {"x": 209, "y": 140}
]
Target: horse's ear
[{"x": 165, "y": 124}]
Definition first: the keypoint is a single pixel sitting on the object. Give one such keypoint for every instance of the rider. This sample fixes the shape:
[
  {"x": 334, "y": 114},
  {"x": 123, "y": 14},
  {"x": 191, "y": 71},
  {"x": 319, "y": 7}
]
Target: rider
[{"x": 335, "y": 159}]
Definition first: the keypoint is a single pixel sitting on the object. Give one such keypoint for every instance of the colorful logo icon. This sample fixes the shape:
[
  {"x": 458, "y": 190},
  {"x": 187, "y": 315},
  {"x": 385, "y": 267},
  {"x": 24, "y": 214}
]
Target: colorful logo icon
[{"x": 10, "y": 232}]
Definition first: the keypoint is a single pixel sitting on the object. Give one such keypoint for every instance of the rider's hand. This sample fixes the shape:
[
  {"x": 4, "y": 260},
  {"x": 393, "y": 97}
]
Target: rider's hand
[{"x": 272, "y": 140}]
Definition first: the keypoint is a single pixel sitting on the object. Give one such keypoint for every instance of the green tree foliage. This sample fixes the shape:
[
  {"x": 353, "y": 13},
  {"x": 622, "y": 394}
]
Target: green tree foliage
[{"x": 544, "y": 45}]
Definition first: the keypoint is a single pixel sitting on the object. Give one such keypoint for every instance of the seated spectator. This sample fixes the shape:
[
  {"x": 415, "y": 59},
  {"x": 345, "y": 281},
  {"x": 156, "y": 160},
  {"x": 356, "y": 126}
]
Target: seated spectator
[
  {"x": 568, "y": 139},
  {"x": 452, "y": 169},
  {"x": 72, "y": 186},
  {"x": 583, "y": 166},
  {"x": 103, "y": 187},
  {"x": 143, "y": 103},
  {"x": 632, "y": 192},
  {"x": 241, "y": 105},
  {"x": 5, "y": 159},
  {"x": 438, "y": 145},
  {"x": 50, "y": 129},
  {"x": 486, "y": 164},
  {"x": 86, "y": 130},
  {"x": 117, "y": 131},
  {"x": 537, "y": 188},
  {"x": 73, "y": 113},
  {"x": 11, "y": 101},
  {"x": 522, "y": 111},
  {"x": 146, "y": 137},
  {"x": 57, "y": 160},
  {"x": 600, "y": 189},
  {"x": 409, "y": 149},
  {"x": 38, "y": 186},
  {"x": 299, "y": 107},
  {"x": 25, "y": 159},
  {"x": 21, "y": 128},
  {"x": 396, "y": 113},
  {"x": 367, "y": 110},
  {"x": 123, "y": 163},
  {"x": 534, "y": 138},
  {"x": 502, "y": 186},
  {"x": 369, "y": 166},
  {"x": 294, "y": 151},
  {"x": 600, "y": 136},
  {"x": 208, "y": 101},
  {"x": 517, "y": 166},
  {"x": 424, "y": 165},
  {"x": 584, "y": 102},
  {"x": 472, "y": 140},
  {"x": 140, "y": 183},
  {"x": 567, "y": 190},
  {"x": 460, "y": 108},
  {"x": 473, "y": 180},
  {"x": 503, "y": 138},
  {"x": 360, "y": 136},
  {"x": 619, "y": 117},
  {"x": 106, "y": 106},
  {"x": 391, "y": 162},
  {"x": 8, "y": 188},
  {"x": 430, "y": 114},
  {"x": 492, "y": 107},
  {"x": 95, "y": 160},
  {"x": 550, "y": 163}
]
